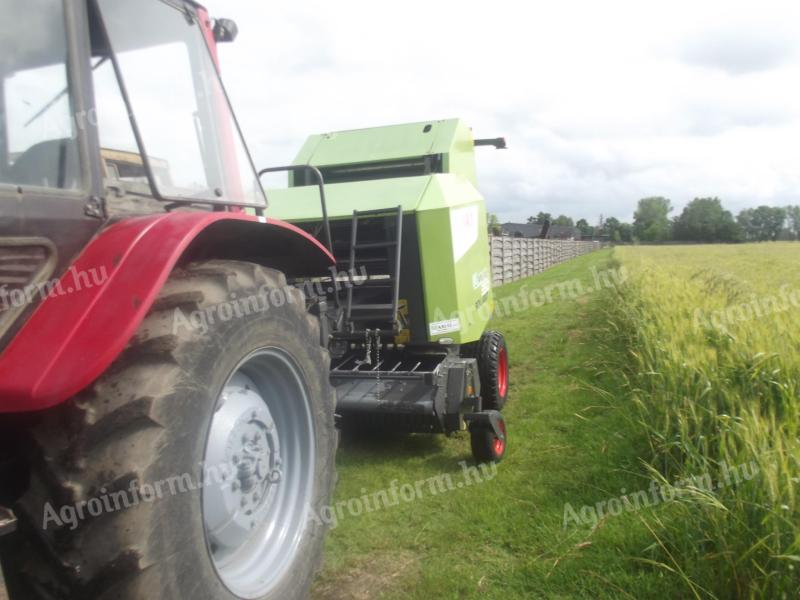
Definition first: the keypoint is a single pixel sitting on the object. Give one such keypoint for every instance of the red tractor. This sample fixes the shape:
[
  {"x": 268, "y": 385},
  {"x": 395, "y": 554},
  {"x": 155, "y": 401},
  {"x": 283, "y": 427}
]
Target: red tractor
[{"x": 166, "y": 416}]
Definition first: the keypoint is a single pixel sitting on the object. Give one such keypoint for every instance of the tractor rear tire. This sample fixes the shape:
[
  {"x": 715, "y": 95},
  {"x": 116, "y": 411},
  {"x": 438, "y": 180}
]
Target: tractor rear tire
[{"x": 145, "y": 428}]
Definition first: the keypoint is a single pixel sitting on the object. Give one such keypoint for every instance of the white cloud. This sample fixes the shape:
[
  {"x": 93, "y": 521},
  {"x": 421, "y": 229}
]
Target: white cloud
[
  {"x": 602, "y": 103},
  {"x": 744, "y": 47}
]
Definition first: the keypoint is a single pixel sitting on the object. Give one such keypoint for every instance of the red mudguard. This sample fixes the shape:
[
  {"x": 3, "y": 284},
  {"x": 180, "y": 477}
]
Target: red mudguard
[{"x": 74, "y": 335}]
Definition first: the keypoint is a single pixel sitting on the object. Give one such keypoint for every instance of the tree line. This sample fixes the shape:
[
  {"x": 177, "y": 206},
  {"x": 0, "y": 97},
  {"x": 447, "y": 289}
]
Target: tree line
[
  {"x": 707, "y": 220},
  {"x": 702, "y": 220}
]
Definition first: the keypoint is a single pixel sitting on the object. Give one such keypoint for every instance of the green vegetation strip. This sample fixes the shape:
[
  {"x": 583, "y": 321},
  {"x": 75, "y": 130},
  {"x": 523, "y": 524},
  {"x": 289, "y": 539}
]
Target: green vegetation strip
[{"x": 714, "y": 373}]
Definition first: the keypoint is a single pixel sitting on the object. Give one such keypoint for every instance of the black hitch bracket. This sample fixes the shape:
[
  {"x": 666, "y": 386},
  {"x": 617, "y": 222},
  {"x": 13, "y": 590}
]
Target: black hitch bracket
[{"x": 486, "y": 419}]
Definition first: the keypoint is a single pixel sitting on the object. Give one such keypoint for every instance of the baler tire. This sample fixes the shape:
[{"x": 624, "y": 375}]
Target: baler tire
[
  {"x": 491, "y": 353},
  {"x": 146, "y": 420},
  {"x": 486, "y": 446}
]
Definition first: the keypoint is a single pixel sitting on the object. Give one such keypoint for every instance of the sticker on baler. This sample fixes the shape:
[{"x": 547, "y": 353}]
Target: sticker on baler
[
  {"x": 446, "y": 326},
  {"x": 463, "y": 229},
  {"x": 481, "y": 281}
]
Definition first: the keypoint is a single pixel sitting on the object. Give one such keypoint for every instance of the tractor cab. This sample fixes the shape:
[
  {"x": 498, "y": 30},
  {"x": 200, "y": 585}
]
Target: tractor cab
[{"x": 151, "y": 94}]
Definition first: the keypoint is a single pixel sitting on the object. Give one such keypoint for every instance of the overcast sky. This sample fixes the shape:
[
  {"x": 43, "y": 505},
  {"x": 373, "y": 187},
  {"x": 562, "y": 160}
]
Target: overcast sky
[{"x": 602, "y": 103}]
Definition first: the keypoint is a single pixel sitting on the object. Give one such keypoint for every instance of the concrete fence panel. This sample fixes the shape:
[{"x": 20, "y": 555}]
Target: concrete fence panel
[{"x": 517, "y": 258}]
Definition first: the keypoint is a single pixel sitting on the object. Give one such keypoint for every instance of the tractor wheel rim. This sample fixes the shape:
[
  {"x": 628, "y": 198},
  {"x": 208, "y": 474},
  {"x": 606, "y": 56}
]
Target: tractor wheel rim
[
  {"x": 502, "y": 372},
  {"x": 258, "y": 469}
]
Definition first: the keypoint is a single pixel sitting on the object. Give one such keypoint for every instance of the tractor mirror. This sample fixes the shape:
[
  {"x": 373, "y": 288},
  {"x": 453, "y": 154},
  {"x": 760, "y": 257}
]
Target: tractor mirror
[{"x": 225, "y": 30}]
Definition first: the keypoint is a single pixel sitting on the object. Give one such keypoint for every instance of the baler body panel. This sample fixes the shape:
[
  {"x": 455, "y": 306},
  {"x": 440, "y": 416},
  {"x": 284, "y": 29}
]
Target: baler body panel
[
  {"x": 454, "y": 251},
  {"x": 448, "y": 211},
  {"x": 450, "y": 138},
  {"x": 301, "y": 204}
]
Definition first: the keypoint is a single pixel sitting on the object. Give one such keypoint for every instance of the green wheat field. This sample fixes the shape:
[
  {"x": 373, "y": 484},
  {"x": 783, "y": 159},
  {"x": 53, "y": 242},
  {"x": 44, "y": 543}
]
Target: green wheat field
[{"x": 713, "y": 338}]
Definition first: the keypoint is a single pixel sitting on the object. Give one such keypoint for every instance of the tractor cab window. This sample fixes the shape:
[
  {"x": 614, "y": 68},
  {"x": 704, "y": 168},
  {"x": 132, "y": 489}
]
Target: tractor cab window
[
  {"x": 38, "y": 145},
  {"x": 119, "y": 152},
  {"x": 190, "y": 142}
]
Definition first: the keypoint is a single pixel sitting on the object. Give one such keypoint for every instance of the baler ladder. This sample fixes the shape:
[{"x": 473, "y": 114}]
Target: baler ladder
[{"x": 372, "y": 299}]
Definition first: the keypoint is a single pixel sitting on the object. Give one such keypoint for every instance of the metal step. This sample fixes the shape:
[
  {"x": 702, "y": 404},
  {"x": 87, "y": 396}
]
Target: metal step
[
  {"x": 373, "y": 283},
  {"x": 365, "y": 261},
  {"x": 370, "y": 245},
  {"x": 373, "y": 306}
]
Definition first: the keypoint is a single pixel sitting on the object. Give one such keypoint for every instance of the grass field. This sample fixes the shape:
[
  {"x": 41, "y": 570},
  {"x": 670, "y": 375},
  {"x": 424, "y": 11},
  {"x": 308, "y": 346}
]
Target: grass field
[{"x": 604, "y": 412}]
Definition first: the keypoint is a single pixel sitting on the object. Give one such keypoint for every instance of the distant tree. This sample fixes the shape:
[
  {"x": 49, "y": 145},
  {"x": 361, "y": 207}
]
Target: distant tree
[
  {"x": 705, "y": 220},
  {"x": 793, "y": 221},
  {"x": 772, "y": 218},
  {"x": 586, "y": 229},
  {"x": 651, "y": 220},
  {"x": 625, "y": 232},
  {"x": 494, "y": 224},
  {"x": 618, "y": 231},
  {"x": 745, "y": 221},
  {"x": 564, "y": 220},
  {"x": 611, "y": 227},
  {"x": 541, "y": 218},
  {"x": 762, "y": 224}
]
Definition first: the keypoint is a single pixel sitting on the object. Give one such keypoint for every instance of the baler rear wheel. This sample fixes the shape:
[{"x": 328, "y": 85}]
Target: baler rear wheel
[
  {"x": 492, "y": 355},
  {"x": 253, "y": 390}
]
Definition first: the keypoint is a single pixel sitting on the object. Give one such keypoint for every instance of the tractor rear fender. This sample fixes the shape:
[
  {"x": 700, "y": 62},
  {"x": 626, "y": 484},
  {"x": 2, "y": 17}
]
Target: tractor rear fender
[{"x": 90, "y": 315}]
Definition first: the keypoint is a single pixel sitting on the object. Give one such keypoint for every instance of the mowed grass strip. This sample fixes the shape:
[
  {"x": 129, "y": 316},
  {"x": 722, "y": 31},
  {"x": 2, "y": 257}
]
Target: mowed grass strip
[{"x": 571, "y": 441}]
